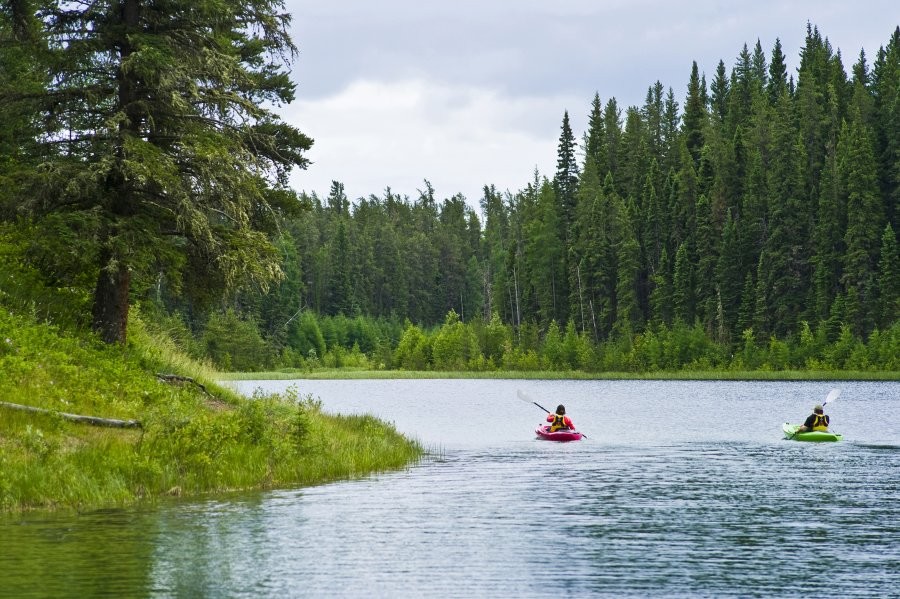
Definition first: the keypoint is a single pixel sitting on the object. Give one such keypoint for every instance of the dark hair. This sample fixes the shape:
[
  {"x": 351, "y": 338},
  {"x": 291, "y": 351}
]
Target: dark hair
[{"x": 560, "y": 409}]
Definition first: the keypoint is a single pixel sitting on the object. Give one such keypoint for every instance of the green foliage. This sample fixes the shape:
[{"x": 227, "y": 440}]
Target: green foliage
[
  {"x": 749, "y": 209},
  {"x": 455, "y": 345},
  {"x": 746, "y": 231},
  {"x": 234, "y": 343},
  {"x": 117, "y": 88},
  {"x": 305, "y": 336},
  {"x": 26, "y": 290},
  {"x": 191, "y": 442},
  {"x": 414, "y": 350}
]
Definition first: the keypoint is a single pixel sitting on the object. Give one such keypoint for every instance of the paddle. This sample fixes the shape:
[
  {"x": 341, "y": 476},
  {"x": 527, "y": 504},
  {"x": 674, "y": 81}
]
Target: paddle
[
  {"x": 524, "y": 397},
  {"x": 832, "y": 395},
  {"x": 830, "y": 398}
]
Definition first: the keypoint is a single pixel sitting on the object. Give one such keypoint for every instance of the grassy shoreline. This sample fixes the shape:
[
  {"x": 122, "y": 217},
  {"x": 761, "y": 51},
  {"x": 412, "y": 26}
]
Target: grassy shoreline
[
  {"x": 197, "y": 438},
  {"x": 690, "y": 375}
]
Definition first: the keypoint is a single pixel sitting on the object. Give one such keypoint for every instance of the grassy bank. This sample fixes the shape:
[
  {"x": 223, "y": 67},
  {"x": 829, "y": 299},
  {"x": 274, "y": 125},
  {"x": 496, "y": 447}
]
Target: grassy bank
[
  {"x": 700, "y": 375},
  {"x": 195, "y": 437}
]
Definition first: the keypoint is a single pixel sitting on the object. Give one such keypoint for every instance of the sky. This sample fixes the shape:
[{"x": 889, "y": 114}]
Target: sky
[{"x": 468, "y": 93}]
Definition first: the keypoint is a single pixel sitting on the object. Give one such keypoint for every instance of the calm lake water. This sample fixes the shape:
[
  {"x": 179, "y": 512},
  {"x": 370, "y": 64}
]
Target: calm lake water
[{"x": 682, "y": 489}]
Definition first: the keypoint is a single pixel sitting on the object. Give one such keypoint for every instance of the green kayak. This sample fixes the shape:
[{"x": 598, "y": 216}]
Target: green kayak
[{"x": 790, "y": 432}]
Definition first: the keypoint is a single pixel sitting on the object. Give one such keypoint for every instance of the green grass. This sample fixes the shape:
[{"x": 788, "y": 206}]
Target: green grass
[
  {"x": 713, "y": 375},
  {"x": 191, "y": 443}
]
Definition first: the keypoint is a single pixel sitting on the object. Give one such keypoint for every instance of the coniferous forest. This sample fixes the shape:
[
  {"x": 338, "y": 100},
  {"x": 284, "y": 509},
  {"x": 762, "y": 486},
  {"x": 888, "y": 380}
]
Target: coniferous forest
[{"x": 749, "y": 224}]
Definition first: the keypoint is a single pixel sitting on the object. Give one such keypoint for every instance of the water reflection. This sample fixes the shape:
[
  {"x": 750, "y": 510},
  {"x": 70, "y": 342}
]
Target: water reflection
[{"x": 668, "y": 498}]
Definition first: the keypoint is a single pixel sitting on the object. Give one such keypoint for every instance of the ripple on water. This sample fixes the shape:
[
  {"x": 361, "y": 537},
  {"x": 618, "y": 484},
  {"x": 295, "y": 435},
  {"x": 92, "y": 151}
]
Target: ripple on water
[{"x": 640, "y": 509}]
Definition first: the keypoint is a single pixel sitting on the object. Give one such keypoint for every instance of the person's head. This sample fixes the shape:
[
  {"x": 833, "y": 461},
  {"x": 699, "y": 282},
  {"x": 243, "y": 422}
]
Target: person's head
[
  {"x": 561, "y": 410},
  {"x": 818, "y": 409}
]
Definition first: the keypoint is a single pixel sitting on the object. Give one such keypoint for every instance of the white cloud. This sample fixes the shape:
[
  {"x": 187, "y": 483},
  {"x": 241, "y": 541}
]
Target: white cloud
[
  {"x": 469, "y": 93},
  {"x": 373, "y": 135}
]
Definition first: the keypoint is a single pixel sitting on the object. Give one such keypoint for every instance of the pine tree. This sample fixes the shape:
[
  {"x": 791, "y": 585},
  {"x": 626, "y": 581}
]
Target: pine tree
[
  {"x": 612, "y": 128},
  {"x": 856, "y": 166},
  {"x": 661, "y": 301},
  {"x": 694, "y": 116},
  {"x": 634, "y": 159},
  {"x": 785, "y": 276},
  {"x": 653, "y": 234},
  {"x": 886, "y": 94},
  {"x": 544, "y": 256},
  {"x": 566, "y": 181},
  {"x": 743, "y": 85},
  {"x": 719, "y": 93},
  {"x": 496, "y": 240},
  {"x": 828, "y": 238},
  {"x": 23, "y": 77},
  {"x": 670, "y": 133},
  {"x": 627, "y": 271},
  {"x": 707, "y": 252},
  {"x": 595, "y": 138},
  {"x": 888, "y": 311},
  {"x": 730, "y": 276},
  {"x": 157, "y": 128},
  {"x": 758, "y": 71},
  {"x": 652, "y": 116},
  {"x": 777, "y": 83},
  {"x": 747, "y": 310},
  {"x": 341, "y": 296},
  {"x": 820, "y": 77},
  {"x": 683, "y": 286}
]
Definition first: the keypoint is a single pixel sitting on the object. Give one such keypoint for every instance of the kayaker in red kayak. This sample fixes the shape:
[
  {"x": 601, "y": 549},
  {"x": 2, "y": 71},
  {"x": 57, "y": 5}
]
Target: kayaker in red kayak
[
  {"x": 817, "y": 421},
  {"x": 560, "y": 421}
]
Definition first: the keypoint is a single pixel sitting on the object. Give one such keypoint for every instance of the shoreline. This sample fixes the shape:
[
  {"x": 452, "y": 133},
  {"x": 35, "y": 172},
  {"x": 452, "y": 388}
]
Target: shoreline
[{"x": 762, "y": 375}]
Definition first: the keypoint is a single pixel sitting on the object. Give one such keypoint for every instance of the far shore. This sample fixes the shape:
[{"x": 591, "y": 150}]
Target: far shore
[{"x": 688, "y": 375}]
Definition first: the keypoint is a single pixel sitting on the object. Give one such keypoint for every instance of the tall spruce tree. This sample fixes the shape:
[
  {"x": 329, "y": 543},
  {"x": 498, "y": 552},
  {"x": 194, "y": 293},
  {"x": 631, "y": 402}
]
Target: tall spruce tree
[
  {"x": 158, "y": 131},
  {"x": 888, "y": 309},
  {"x": 694, "y": 116},
  {"x": 777, "y": 83},
  {"x": 828, "y": 237},
  {"x": 595, "y": 138},
  {"x": 612, "y": 128},
  {"x": 628, "y": 317},
  {"x": 886, "y": 94},
  {"x": 565, "y": 183},
  {"x": 661, "y": 292},
  {"x": 784, "y": 278},
  {"x": 730, "y": 277},
  {"x": 865, "y": 220},
  {"x": 683, "y": 286},
  {"x": 719, "y": 93}
]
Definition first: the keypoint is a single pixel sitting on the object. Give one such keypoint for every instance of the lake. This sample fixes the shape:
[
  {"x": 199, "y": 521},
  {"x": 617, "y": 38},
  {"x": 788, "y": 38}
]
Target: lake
[{"x": 681, "y": 489}]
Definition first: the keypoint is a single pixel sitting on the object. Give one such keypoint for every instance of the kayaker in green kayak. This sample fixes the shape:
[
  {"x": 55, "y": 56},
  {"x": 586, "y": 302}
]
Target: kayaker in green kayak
[
  {"x": 560, "y": 421},
  {"x": 817, "y": 421}
]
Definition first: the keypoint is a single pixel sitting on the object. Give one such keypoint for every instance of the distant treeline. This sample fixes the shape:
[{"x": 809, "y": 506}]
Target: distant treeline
[
  {"x": 754, "y": 225},
  {"x": 763, "y": 214},
  {"x": 235, "y": 343}
]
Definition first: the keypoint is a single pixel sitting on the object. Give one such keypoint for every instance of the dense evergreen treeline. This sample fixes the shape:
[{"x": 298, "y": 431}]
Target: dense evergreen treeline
[
  {"x": 762, "y": 207},
  {"x": 753, "y": 224}
]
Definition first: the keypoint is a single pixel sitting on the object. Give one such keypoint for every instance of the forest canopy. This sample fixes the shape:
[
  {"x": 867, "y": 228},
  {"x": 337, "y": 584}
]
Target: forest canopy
[{"x": 756, "y": 214}]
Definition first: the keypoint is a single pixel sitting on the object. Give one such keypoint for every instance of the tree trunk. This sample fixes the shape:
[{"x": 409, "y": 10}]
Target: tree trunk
[
  {"x": 110, "y": 312},
  {"x": 92, "y": 420},
  {"x": 111, "y": 303}
]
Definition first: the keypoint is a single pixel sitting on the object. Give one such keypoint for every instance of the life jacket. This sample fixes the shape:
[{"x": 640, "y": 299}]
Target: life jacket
[
  {"x": 559, "y": 422},
  {"x": 820, "y": 423}
]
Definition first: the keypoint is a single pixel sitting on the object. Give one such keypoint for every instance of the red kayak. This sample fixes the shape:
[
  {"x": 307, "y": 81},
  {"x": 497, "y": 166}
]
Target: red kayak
[{"x": 543, "y": 432}]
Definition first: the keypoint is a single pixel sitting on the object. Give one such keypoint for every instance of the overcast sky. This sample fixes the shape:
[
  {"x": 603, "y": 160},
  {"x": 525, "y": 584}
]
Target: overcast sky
[{"x": 465, "y": 93}]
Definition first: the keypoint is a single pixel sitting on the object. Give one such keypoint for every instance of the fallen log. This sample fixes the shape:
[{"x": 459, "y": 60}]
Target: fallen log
[
  {"x": 177, "y": 378},
  {"x": 92, "y": 420}
]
